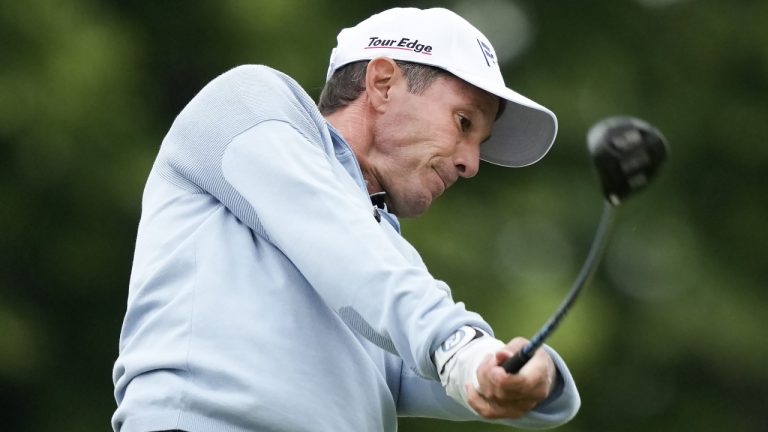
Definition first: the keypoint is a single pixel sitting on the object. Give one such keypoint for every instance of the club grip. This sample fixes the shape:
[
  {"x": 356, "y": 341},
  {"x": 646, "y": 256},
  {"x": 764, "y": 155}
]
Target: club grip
[{"x": 513, "y": 364}]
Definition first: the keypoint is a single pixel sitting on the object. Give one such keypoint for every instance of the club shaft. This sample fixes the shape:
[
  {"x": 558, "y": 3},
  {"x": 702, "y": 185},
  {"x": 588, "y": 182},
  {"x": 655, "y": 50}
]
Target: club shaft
[{"x": 516, "y": 362}]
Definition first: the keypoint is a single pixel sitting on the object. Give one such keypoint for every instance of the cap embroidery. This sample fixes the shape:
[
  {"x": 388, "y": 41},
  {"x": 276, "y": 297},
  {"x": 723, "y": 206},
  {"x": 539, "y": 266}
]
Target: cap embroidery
[
  {"x": 487, "y": 53},
  {"x": 402, "y": 44}
]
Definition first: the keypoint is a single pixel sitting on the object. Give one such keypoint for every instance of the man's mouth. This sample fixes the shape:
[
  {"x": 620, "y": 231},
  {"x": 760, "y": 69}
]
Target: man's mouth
[
  {"x": 444, "y": 180},
  {"x": 447, "y": 180}
]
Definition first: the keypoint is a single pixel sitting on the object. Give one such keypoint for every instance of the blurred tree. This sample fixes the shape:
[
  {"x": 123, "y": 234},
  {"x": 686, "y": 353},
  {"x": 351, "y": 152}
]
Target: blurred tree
[{"x": 669, "y": 337}]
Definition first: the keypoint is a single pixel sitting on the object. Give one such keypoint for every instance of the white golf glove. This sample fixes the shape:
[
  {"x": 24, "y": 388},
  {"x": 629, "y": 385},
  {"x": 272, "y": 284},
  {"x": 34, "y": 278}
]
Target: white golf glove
[{"x": 458, "y": 358}]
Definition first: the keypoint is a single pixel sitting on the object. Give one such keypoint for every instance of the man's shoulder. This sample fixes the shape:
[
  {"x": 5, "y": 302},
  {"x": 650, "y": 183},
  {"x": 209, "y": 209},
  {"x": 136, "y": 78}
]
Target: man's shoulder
[
  {"x": 247, "y": 95},
  {"x": 254, "y": 72},
  {"x": 263, "y": 79},
  {"x": 268, "y": 90}
]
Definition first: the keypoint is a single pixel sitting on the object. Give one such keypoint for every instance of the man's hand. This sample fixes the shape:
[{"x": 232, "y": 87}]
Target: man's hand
[{"x": 503, "y": 395}]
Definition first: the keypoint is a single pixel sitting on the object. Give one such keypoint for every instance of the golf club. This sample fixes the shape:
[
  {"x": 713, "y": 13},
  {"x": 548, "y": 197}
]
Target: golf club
[{"x": 626, "y": 153}]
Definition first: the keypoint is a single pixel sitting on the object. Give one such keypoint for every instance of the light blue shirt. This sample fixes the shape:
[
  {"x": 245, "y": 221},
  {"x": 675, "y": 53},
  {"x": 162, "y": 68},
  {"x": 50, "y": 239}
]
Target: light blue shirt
[{"x": 264, "y": 294}]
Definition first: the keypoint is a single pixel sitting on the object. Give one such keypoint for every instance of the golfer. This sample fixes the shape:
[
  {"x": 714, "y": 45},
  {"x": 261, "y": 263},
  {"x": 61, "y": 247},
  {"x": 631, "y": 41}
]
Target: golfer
[{"x": 271, "y": 289}]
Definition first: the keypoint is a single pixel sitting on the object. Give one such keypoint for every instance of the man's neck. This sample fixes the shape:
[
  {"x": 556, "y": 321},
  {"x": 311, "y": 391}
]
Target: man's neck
[{"x": 355, "y": 127}]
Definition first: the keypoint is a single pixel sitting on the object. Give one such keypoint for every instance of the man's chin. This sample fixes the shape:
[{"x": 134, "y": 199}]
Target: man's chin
[{"x": 409, "y": 210}]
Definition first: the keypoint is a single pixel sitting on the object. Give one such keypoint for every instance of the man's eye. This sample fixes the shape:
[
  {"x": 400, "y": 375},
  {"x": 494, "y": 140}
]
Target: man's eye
[{"x": 465, "y": 123}]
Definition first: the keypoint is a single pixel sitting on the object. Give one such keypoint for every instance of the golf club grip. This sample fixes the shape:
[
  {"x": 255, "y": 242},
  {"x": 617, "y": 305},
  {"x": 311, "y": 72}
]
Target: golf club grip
[{"x": 513, "y": 364}]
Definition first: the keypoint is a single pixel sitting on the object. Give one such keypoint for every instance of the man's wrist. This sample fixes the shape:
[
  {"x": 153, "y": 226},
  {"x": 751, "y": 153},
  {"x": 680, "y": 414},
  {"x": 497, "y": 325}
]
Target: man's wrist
[
  {"x": 455, "y": 343},
  {"x": 459, "y": 357}
]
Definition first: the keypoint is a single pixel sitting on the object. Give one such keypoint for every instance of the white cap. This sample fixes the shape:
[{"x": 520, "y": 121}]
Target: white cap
[{"x": 438, "y": 37}]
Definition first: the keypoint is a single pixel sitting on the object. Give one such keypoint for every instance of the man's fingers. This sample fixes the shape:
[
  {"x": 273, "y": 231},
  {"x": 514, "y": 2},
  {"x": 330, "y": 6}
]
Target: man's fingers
[
  {"x": 516, "y": 344},
  {"x": 505, "y": 386},
  {"x": 540, "y": 370},
  {"x": 503, "y": 355},
  {"x": 503, "y": 395},
  {"x": 549, "y": 370},
  {"x": 490, "y": 408}
]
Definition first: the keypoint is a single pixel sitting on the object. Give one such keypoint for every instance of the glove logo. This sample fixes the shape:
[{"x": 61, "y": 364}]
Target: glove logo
[{"x": 453, "y": 340}]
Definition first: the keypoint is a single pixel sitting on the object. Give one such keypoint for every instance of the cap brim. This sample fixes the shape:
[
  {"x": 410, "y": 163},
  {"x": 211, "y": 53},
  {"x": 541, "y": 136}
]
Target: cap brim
[{"x": 523, "y": 134}]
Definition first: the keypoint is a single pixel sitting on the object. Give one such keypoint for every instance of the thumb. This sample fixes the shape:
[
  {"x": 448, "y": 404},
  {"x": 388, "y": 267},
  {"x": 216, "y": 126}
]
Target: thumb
[{"x": 502, "y": 355}]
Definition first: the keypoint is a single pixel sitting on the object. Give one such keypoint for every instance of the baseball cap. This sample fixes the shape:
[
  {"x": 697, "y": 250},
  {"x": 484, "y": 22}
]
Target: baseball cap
[{"x": 438, "y": 37}]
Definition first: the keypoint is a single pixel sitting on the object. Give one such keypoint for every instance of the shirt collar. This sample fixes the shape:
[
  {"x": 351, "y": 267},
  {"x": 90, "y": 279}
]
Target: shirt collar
[{"x": 348, "y": 160}]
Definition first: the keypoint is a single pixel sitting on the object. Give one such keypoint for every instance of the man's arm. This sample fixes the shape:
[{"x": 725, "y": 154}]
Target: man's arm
[
  {"x": 304, "y": 207},
  {"x": 254, "y": 141}
]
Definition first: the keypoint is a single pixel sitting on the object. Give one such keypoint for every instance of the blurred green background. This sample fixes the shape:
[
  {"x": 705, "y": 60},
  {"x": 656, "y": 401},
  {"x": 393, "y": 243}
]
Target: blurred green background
[{"x": 669, "y": 337}]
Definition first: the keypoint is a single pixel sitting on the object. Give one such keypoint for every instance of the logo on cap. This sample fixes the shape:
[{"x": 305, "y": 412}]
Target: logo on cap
[
  {"x": 487, "y": 53},
  {"x": 405, "y": 44}
]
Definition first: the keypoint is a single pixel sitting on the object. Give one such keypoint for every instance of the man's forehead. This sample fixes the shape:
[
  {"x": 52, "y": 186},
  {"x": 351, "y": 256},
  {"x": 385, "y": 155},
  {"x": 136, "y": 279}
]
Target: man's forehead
[
  {"x": 469, "y": 90},
  {"x": 487, "y": 103}
]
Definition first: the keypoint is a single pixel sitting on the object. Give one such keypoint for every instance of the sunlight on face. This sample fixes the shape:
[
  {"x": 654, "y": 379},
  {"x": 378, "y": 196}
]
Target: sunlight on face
[{"x": 424, "y": 143}]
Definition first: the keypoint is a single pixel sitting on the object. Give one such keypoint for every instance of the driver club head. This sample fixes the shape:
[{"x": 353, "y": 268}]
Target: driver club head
[{"x": 627, "y": 153}]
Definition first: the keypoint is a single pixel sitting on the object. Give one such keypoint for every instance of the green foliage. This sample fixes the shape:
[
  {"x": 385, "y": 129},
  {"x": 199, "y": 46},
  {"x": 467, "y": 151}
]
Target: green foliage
[{"x": 667, "y": 338}]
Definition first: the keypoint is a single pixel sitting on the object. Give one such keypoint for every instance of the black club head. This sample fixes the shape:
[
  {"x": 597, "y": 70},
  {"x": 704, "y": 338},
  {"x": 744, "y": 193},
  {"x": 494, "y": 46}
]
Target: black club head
[{"x": 627, "y": 153}]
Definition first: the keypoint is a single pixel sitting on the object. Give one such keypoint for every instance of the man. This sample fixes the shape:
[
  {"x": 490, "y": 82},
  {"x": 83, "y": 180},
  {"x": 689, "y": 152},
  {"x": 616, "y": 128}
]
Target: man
[{"x": 269, "y": 294}]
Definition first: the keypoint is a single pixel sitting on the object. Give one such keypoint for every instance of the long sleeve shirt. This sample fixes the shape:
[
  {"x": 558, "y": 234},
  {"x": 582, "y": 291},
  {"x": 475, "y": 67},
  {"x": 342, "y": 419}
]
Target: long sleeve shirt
[{"x": 264, "y": 293}]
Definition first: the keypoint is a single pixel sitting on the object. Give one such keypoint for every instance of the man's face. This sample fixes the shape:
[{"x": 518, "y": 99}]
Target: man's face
[{"x": 424, "y": 143}]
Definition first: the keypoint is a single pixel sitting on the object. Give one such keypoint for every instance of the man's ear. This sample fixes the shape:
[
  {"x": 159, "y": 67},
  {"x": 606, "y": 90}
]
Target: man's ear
[{"x": 381, "y": 75}]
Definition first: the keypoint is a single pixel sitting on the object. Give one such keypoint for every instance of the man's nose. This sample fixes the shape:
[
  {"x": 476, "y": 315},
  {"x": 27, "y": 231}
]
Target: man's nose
[{"x": 467, "y": 159}]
